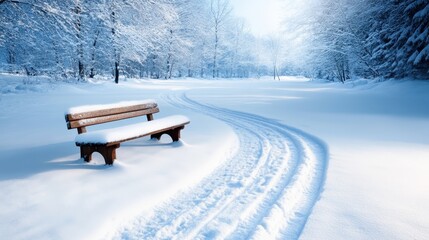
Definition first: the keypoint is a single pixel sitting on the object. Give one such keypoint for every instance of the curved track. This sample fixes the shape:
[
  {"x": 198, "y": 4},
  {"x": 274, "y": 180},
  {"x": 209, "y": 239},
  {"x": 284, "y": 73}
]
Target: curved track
[{"x": 266, "y": 191}]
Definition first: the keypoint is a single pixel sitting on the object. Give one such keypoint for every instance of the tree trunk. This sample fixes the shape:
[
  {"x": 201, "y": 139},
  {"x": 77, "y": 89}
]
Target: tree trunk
[
  {"x": 116, "y": 72},
  {"x": 215, "y": 52},
  {"x": 115, "y": 47},
  {"x": 94, "y": 45},
  {"x": 78, "y": 25},
  {"x": 274, "y": 72},
  {"x": 169, "y": 57}
]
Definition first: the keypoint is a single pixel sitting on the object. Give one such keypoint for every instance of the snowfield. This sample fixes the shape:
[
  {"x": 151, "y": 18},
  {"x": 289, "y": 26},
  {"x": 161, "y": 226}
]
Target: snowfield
[{"x": 261, "y": 159}]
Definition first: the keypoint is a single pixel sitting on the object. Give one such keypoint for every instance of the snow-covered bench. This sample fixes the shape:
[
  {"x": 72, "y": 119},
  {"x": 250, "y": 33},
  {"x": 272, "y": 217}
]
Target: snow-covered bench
[{"x": 106, "y": 141}]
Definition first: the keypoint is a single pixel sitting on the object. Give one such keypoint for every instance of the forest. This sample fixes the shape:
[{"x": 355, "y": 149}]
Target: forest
[{"x": 160, "y": 39}]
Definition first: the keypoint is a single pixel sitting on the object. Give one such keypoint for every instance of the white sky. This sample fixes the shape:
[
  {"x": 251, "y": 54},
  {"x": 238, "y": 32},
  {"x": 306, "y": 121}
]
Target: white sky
[{"x": 263, "y": 17}]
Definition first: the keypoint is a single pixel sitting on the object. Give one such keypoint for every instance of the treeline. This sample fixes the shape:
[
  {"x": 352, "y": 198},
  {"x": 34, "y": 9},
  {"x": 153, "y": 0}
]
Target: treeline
[
  {"x": 332, "y": 39},
  {"x": 133, "y": 38},
  {"x": 367, "y": 38}
]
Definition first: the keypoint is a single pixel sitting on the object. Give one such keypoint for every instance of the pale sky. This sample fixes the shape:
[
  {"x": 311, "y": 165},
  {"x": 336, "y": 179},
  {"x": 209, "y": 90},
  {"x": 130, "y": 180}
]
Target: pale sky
[{"x": 263, "y": 17}]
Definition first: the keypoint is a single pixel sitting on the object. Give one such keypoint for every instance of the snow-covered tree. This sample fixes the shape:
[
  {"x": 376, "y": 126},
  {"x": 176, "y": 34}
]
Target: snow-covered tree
[
  {"x": 402, "y": 42},
  {"x": 369, "y": 38},
  {"x": 220, "y": 11},
  {"x": 130, "y": 38}
]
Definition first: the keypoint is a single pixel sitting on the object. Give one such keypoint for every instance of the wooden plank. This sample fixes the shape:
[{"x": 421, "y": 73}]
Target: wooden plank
[
  {"x": 137, "y": 136},
  {"x": 110, "y": 111},
  {"x": 110, "y": 118},
  {"x": 151, "y": 133}
]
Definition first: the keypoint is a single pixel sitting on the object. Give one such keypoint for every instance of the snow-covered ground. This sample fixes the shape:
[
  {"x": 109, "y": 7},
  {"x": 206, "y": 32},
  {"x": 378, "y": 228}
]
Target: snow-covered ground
[{"x": 260, "y": 159}]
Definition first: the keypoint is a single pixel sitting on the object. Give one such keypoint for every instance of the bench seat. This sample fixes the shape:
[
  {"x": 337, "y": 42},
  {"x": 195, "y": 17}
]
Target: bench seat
[{"x": 129, "y": 132}]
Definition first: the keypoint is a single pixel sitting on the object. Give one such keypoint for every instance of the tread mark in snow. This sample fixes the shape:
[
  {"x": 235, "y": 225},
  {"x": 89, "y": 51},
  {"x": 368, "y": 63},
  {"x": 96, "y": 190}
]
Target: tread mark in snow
[{"x": 267, "y": 190}]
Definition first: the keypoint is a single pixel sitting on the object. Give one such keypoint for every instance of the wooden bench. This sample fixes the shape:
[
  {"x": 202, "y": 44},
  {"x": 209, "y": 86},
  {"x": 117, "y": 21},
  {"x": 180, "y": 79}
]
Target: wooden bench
[{"x": 106, "y": 141}]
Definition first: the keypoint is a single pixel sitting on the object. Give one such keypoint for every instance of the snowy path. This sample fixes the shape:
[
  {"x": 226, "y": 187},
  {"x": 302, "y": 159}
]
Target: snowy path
[{"x": 266, "y": 190}]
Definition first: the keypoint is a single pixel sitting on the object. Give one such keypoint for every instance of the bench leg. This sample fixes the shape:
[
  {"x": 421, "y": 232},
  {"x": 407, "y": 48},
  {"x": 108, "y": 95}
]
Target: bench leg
[
  {"x": 108, "y": 152},
  {"x": 86, "y": 153},
  {"x": 173, "y": 133}
]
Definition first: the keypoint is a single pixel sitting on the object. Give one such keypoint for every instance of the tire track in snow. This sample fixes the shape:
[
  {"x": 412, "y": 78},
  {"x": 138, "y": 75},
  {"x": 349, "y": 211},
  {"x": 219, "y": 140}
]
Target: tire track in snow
[{"x": 267, "y": 190}]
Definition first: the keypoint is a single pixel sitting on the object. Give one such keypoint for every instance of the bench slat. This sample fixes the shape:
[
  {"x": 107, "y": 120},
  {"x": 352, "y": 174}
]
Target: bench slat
[
  {"x": 110, "y": 111},
  {"x": 110, "y": 118},
  {"x": 130, "y": 132},
  {"x": 131, "y": 138}
]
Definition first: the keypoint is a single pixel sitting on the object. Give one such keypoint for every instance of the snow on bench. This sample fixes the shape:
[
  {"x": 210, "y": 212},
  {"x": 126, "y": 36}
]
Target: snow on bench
[
  {"x": 125, "y": 133},
  {"x": 108, "y": 140},
  {"x": 91, "y": 108}
]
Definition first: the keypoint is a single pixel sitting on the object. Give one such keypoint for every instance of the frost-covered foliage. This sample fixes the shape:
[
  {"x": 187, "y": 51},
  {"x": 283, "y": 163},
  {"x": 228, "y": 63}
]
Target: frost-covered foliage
[
  {"x": 405, "y": 40},
  {"x": 332, "y": 39},
  {"x": 369, "y": 38},
  {"x": 135, "y": 38}
]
